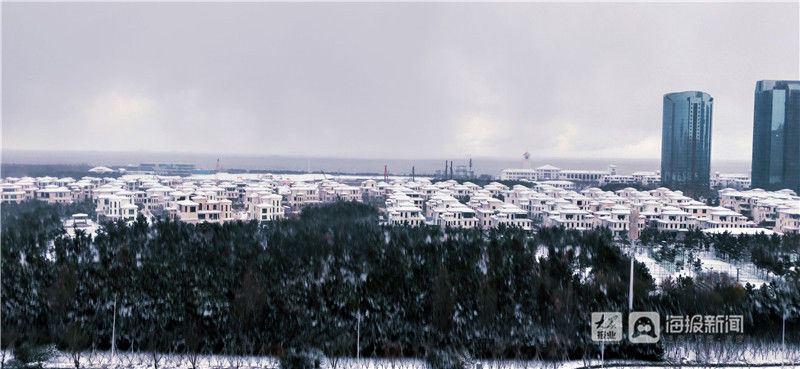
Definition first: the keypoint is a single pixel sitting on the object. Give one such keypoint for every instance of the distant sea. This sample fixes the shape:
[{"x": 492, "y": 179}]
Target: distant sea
[{"x": 491, "y": 166}]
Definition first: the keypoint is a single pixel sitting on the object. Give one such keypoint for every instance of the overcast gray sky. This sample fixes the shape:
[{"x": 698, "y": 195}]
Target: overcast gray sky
[{"x": 384, "y": 80}]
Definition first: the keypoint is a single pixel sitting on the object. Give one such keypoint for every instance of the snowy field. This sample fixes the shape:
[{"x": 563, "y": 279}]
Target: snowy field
[
  {"x": 747, "y": 272},
  {"x": 684, "y": 354}
]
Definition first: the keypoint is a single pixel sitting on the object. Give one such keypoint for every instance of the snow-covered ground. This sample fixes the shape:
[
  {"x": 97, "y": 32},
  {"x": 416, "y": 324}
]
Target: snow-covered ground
[
  {"x": 89, "y": 227},
  {"x": 675, "y": 353},
  {"x": 747, "y": 272}
]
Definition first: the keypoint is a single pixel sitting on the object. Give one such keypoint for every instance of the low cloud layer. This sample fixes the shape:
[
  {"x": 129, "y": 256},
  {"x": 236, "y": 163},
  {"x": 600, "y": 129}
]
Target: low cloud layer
[{"x": 384, "y": 80}]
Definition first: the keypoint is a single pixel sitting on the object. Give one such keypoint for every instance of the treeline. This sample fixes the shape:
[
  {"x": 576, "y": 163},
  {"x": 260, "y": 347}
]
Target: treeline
[
  {"x": 333, "y": 278},
  {"x": 619, "y": 186},
  {"x": 75, "y": 171}
]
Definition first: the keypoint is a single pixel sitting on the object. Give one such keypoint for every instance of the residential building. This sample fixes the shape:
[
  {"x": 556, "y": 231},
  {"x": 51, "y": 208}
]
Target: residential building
[
  {"x": 302, "y": 195},
  {"x": 265, "y": 206},
  {"x": 54, "y": 195},
  {"x": 737, "y": 181},
  {"x": 112, "y": 207},
  {"x": 518, "y": 174},
  {"x": 400, "y": 210},
  {"x": 12, "y": 193}
]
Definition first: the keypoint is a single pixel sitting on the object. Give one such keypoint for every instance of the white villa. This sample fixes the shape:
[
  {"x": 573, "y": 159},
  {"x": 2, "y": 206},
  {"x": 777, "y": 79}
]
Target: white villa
[{"x": 548, "y": 200}]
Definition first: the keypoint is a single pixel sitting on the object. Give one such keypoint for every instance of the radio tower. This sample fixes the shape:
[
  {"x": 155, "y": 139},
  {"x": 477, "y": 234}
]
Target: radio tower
[
  {"x": 527, "y": 160},
  {"x": 216, "y": 172},
  {"x": 386, "y": 173}
]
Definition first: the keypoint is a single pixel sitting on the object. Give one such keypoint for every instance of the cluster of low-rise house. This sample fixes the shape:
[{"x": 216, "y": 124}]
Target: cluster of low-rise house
[
  {"x": 467, "y": 205},
  {"x": 550, "y": 202},
  {"x": 549, "y": 173},
  {"x": 779, "y": 210},
  {"x": 447, "y": 204},
  {"x": 192, "y": 199}
]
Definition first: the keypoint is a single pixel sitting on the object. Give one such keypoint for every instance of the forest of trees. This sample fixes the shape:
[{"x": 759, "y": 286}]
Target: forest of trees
[
  {"x": 335, "y": 277},
  {"x": 51, "y": 170}
]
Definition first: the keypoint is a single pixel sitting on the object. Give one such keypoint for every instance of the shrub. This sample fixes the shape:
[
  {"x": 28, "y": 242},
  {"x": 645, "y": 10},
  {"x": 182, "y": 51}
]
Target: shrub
[
  {"x": 446, "y": 359},
  {"x": 301, "y": 359},
  {"x": 27, "y": 355}
]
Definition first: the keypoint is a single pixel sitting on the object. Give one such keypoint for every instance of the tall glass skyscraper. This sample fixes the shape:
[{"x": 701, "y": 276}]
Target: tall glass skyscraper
[
  {"x": 776, "y": 136},
  {"x": 686, "y": 141}
]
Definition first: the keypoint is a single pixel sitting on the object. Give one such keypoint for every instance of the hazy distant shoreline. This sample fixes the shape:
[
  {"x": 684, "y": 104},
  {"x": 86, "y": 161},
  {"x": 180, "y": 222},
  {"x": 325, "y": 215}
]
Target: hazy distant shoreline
[{"x": 491, "y": 166}]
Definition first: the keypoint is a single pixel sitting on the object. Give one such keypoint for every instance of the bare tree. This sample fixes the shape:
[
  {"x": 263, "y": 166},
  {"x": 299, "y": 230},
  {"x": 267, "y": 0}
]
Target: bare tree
[
  {"x": 393, "y": 351},
  {"x": 155, "y": 357},
  {"x": 74, "y": 340},
  {"x": 7, "y": 340},
  {"x": 193, "y": 339}
]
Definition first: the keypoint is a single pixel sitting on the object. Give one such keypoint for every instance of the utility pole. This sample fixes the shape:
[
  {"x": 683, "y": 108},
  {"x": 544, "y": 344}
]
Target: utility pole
[
  {"x": 783, "y": 335},
  {"x": 603, "y": 354},
  {"x": 633, "y": 234},
  {"x": 630, "y": 289},
  {"x": 784, "y": 288},
  {"x": 114, "y": 329}
]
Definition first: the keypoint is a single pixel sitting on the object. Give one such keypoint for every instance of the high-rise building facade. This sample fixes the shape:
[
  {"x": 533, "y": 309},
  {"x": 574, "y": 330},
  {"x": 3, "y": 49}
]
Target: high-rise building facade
[
  {"x": 776, "y": 136},
  {"x": 686, "y": 141}
]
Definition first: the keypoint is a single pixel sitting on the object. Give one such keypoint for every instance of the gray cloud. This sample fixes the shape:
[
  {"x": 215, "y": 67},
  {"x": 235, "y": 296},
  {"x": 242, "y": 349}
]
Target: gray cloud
[{"x": 383, "y": 80}]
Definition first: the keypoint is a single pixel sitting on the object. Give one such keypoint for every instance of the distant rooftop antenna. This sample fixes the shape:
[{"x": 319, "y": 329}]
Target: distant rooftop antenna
[{"x": 412, "y": 173}]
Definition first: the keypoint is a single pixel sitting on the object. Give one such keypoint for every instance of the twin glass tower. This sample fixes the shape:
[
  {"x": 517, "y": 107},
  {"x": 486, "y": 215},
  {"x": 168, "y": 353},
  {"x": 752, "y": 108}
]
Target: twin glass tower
[
  {"x": 686, "y": 138},
  {"x": 776, "y": 136}
]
